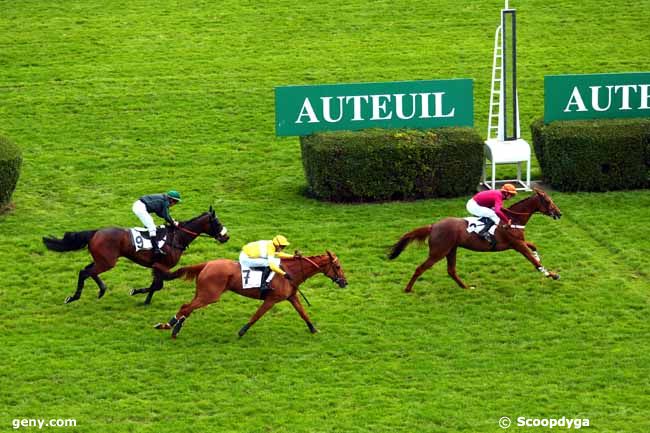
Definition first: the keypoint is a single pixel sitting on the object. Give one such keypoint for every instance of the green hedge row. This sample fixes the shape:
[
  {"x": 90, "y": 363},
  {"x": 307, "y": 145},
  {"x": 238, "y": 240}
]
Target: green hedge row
[
  {"x": 10, "y": 160},
  {"x": 378, "y": 164},
  {"x": 597, "y": 155}
]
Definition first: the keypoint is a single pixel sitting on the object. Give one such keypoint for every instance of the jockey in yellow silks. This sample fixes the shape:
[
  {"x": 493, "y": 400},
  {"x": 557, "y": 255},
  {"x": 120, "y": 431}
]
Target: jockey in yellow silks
[{"x": 266, "y": 254}]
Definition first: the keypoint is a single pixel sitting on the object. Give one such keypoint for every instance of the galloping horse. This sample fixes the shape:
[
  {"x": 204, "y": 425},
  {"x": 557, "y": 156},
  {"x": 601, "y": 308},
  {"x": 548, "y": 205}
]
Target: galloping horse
[
  {"x": 217, "y": 276},
  {"x": 448, "y": 234},
  {"x": 109, "y": 244}
]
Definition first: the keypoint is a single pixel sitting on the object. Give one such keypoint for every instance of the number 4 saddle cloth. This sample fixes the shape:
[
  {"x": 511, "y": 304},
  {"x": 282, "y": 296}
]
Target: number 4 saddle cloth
[{"x": 140, "y": 237}]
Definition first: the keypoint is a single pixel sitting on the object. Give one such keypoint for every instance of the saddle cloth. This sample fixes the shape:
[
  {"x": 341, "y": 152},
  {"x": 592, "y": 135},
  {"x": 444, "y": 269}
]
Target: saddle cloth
[
  {"x": 474, "y": 224},
  {"x": 140, "y": 238},
  {"x": 251, "y": 277}
]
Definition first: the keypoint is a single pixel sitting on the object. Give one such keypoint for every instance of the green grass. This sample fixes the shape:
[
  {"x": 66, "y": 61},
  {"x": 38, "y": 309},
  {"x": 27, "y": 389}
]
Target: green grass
[{"x": 110, "y": 101}]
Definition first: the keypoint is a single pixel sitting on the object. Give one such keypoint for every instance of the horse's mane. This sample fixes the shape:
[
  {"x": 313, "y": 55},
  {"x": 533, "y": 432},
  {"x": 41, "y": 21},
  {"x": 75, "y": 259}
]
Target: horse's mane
[
  {"x": 301, "y": 257},
  {"x": 515, "y": 207},
  {"x": 195, "y": 218}
]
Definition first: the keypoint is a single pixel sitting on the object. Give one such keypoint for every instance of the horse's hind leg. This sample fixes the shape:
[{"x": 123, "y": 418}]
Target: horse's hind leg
[
  {"x": 266, "y": 306},
  {"x": 451, "y": 268},
  {"x": 100, "y": 284},
  {"x": 432, "y": 260},
  {"x": 83, "y": 274},
  {"x": 201, "y": 299}
]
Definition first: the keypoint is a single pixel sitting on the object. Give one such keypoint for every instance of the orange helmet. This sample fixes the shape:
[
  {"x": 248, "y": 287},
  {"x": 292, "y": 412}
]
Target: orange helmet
[{"x": 509, "y": 188}]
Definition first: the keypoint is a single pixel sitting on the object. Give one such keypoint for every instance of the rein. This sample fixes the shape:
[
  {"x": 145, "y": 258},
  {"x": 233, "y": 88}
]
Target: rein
[{"x": 190, "y": 232}]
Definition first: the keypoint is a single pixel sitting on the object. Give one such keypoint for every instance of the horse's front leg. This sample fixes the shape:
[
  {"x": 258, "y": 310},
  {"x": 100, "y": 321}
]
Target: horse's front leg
[
  {"x": 301, "y": 310},
  {"x": 156, "y": 284},
  {"x": 523, "y": 247},
  {"x": 153, "y": 285},
  {"x": 533, "y": 249},
  {"x": 266, "y": 306}
]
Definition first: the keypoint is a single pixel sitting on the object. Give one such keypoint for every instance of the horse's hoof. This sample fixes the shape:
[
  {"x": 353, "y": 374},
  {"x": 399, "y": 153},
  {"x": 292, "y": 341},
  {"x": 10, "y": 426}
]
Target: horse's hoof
[
  {"x": 162, "y": 326},
  {"x": 132, "y": 292},
  {"x": 69, "y": 299},
  {"x": 173, "y": 337},
  {"x": 100, "y": 295},
  {"x": 314, "y": 331},
  {"x": 556, "y": 276},
  {"x": 471, "y": 288}
]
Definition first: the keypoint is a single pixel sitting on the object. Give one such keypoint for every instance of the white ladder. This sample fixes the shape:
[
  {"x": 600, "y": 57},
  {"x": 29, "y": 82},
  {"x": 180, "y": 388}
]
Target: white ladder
[{"x": 494, "y": 119}]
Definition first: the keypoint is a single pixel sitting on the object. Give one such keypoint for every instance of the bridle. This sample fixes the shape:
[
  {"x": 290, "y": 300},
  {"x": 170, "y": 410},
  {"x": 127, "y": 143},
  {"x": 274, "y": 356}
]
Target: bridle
[
  {"x": 191, "y": 233},
  {"x": 195, "y": 234},
  {"x": 336, "y": 279}
]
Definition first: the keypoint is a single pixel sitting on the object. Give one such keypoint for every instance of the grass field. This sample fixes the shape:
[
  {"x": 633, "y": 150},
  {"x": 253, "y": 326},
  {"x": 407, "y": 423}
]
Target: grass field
[{"x": 112, "y": 100}]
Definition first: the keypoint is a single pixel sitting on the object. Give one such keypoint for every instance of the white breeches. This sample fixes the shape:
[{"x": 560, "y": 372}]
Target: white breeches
[
  {"x": 480, "y": 211},
  {"x": 248, "y": 262},
  {"x": 140, "y": 210}
]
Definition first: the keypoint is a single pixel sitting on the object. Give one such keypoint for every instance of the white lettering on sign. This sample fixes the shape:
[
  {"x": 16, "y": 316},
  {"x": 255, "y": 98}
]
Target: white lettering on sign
[
  {"x": 381, "y": 107},
  {"x": 600, "y": 93}
]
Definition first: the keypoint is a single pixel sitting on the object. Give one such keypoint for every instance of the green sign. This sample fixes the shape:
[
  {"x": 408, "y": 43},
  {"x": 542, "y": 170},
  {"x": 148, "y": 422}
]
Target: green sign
[
  {"x": 302, "y": 110},
  {"x": 595, "y": 96}
]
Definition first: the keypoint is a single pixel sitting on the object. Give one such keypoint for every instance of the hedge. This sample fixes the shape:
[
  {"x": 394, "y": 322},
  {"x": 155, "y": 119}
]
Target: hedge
[
  {"x": 378, "y": 165},
  {"x": 596, "y": 155},
  {"x": 10, "y": 160}
]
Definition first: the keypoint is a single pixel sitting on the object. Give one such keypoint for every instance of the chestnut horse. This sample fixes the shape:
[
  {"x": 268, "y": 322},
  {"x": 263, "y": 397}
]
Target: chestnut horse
[
  {"x": 447, "y": 235},
  {"x": 107, "y": 245},
  {"x": 218, "y": 276}
]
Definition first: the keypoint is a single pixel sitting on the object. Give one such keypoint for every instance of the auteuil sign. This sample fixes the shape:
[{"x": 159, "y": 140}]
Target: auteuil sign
[
  {"x": 575, "y": 97},
  {"x": 302, "y": 110}
]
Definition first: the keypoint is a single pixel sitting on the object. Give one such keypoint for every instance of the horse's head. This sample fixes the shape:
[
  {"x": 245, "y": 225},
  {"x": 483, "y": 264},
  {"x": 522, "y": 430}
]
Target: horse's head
[
  {"x": 334, "y": 271},
  {"x": 214, "y": 228},
  {"x": 546, "y": 205}
]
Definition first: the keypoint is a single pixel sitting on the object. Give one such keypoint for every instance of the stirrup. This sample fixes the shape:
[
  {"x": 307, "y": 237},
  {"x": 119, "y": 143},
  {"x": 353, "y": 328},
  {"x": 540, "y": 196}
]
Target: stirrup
[{"x": 264, "y": 291}]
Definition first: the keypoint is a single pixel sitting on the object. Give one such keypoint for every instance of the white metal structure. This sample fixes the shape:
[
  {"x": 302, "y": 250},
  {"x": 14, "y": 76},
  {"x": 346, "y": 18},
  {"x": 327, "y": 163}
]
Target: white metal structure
[{"x": 504, "y": 144}]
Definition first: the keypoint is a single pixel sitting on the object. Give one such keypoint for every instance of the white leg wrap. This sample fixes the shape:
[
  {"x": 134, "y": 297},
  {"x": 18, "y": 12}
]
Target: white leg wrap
[
  {"x": 543, "y": 270},
  {"x": 536, "y": 255}
]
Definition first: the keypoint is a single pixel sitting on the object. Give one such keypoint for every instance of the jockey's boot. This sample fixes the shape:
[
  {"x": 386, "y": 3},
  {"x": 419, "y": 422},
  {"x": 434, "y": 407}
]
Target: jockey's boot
[
  {"x": 485, "y": 234},
  {"x": 157, "y": 251},
  {"x": 265, "y": 287}
]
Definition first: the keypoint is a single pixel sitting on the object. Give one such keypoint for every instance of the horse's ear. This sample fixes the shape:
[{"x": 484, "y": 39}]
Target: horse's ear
[
  {"x": 538, "y": 191},
  {"x": 329, "y": 254},
  {"x": 211, "y": 210}
]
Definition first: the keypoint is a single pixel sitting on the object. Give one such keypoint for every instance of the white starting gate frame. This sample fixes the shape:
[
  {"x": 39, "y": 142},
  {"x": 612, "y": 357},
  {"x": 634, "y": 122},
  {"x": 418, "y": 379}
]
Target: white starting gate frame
[{"x": 504, "y": 144}]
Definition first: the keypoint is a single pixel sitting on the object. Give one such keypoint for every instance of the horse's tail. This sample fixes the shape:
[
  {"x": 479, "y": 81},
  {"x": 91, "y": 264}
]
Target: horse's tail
[
  {"x": 419, "y": 234},
  {"x": 71, "y": 241},
  {"x": 186, "y": 272}
]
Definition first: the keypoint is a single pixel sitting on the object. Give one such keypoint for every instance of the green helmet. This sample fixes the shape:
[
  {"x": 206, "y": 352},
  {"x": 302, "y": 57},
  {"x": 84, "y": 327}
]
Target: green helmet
[{"x": 174, "y": 195}]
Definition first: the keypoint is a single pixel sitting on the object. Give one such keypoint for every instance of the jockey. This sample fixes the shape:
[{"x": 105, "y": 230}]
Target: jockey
[
  {"x": 488, "y": 204},
  {"x": 158, "y": 204},
  {"x": 265, "y": 254}
]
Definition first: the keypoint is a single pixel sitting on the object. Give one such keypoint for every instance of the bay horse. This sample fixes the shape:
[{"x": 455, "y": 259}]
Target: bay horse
[
  {"x": 445, "y": 236},
  {"x": 107, "y": 245},
  {"x": 215, "y": 277}
]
